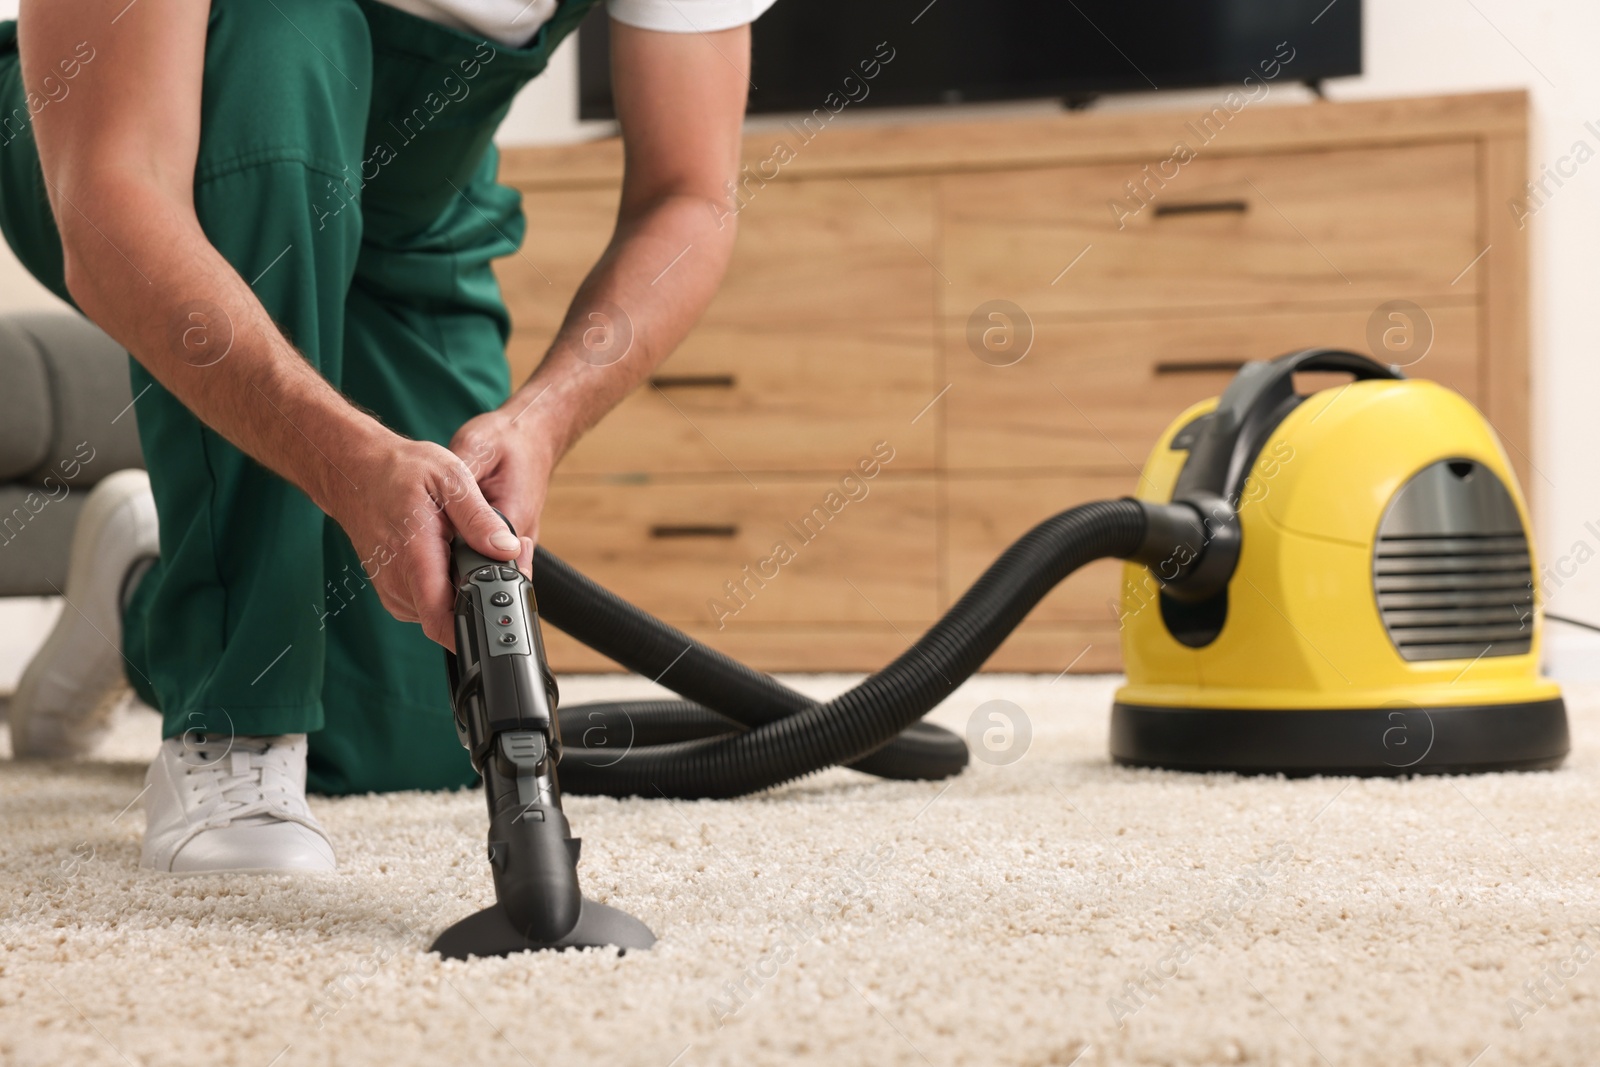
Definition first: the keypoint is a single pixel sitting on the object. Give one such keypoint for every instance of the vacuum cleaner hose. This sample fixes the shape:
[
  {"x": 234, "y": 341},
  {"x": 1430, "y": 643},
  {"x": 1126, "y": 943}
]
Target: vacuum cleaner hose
[{"x": 740, "y": 731}]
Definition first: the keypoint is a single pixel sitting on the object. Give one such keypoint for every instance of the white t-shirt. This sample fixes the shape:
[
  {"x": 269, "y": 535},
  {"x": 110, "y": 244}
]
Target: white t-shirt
[{"x": 514, "y": 22}]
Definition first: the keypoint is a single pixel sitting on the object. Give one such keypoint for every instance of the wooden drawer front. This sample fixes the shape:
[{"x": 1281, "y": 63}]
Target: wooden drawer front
[
  {"x": 672, "y": 549},
  {"x": 983, "y": 516},
  {"x": 1096, "y": 395},
  {"x": 812, "y": 258},
  {"x": 759, "y": 399},
  {"x": 809, "y": 252},
  {"x": 832, "y": 250},
  {"x": 1367, "y": 224}
]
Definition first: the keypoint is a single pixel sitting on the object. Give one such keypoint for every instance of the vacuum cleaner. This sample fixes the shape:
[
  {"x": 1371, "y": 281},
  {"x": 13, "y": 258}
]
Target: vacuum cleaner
[
  {"x": 1380, "y": 617},
  {"x": 1332, "y": 583}
]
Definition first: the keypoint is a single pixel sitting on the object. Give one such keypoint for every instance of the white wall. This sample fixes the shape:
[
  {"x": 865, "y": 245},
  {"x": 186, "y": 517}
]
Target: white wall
[{"x": 1412, "y": 47}]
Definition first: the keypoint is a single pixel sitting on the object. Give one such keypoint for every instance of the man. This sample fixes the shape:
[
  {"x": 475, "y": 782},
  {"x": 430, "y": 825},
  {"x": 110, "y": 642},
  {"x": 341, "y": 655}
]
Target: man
[{"x": 286, "y": 212}]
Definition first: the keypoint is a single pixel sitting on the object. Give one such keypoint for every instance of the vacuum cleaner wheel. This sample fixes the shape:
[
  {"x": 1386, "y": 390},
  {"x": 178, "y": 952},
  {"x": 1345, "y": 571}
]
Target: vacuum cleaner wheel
[{"x": 1394, "y": 740}]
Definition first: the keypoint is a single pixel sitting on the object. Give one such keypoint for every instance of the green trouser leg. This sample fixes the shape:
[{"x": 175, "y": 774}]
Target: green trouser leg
[
  {"x": 357, "y": 196},
  {"x": 221, "y": 635}
]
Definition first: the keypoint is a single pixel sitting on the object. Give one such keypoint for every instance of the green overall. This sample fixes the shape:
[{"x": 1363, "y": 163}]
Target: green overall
[{"x": 346, "y": 171}]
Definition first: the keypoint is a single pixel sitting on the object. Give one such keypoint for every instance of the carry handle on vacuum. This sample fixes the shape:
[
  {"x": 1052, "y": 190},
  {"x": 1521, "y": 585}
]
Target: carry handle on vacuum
[
  {"x": 1335, "y": 359},
  {"x": 1225, "y": 444},
  {"x": 1252, "y": 406}
]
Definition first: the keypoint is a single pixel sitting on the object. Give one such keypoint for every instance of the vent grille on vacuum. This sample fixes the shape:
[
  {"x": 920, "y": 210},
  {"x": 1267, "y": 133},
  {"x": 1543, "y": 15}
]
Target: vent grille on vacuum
[{"x": 1451, "y": 567}]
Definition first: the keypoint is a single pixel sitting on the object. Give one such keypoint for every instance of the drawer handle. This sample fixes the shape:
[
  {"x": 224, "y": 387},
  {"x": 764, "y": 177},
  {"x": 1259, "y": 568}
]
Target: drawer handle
[
  {"x": 1209, "y": 366},
  {"x": 662, "y": 533},
  {"x": 1204, "y": 207},
  {"x": 693, "y": 381}
]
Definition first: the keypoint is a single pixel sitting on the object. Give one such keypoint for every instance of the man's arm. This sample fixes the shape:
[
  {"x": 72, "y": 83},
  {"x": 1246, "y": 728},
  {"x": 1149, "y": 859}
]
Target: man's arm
[
  {"x": 119, "y": 161},
  {"x": 680, "y": 100}
]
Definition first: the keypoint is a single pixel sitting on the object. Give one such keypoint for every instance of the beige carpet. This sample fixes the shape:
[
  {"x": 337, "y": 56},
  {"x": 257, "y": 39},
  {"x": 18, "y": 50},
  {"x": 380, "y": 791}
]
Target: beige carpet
[{"x": 996, "y": 921}]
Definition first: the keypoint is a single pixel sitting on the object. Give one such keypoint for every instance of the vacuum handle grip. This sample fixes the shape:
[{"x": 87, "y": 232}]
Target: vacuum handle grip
[{"x": 464, "y": 559}]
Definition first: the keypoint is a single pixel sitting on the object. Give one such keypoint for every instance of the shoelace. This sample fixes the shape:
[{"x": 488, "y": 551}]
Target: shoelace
[{"x": 244, "y": 778}]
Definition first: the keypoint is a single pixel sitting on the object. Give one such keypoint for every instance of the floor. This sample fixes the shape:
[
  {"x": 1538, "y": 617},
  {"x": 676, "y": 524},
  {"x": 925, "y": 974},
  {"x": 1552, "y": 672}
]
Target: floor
[{"x": 1043, "y": 908}]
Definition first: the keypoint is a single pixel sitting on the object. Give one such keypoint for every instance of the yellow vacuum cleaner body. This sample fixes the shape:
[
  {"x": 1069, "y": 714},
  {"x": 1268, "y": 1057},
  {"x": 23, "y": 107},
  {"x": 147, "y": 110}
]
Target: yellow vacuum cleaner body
[{"x": 1382, "y": 616}]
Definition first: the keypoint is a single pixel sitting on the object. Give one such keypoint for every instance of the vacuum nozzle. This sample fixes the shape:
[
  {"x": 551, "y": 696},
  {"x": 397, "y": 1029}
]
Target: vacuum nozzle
[{"x": 504, "y": 699}]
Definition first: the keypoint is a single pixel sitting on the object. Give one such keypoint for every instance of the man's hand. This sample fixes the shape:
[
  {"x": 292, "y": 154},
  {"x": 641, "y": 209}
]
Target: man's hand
[
  {"x": 401, "y": 512},
  {"x": 512, "y": 463}
]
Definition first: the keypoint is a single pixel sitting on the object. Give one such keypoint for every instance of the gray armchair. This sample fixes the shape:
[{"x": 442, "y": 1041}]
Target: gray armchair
[{"x": 66, "y": 422}]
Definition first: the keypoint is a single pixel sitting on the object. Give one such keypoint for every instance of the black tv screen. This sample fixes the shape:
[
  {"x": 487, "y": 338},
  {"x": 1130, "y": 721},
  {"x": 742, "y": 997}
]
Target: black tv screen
[{"x": 952, "y": 51}]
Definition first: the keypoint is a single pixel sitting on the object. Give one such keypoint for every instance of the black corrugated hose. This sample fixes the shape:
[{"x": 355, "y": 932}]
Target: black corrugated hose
[{"x": 741, "y": 731}]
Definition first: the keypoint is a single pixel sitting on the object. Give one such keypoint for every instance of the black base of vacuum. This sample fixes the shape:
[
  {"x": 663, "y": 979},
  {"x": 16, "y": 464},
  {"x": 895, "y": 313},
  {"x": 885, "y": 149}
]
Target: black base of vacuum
[
  {"x": 1355, "y": 741},
  {"x": 489, "y": 933}
]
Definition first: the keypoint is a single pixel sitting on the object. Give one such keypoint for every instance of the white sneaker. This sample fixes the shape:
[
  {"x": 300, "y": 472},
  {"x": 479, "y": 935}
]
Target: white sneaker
[
  {"x": 215, "y": 804},
  {"x": 64, "y": 701}
]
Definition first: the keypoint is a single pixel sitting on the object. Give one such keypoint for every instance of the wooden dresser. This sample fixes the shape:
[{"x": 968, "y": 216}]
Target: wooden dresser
[{"x": 847, "y": 338}]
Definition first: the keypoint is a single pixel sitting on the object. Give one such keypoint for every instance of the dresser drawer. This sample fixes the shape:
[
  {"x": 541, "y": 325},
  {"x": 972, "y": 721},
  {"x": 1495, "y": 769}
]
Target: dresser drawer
[
  {"x": 723, "y": 554},
  {"x": 1250, "y": 231},
  {"x": 808, "y": 253},
  {"x": 758, "y": 400},
  {"x": 983, "y": 516},
  {"x": 815, "y": 261},
  {"x": 831, "y": 250},
  {"x": 1097, "y": 394}
]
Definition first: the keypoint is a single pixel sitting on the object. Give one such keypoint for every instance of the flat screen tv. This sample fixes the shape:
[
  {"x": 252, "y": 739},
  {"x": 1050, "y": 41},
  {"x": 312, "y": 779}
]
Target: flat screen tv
[{"x": 953, "y": 51}]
